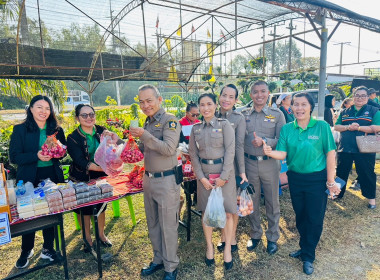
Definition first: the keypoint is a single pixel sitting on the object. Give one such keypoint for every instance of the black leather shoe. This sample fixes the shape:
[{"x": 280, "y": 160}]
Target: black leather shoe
[
  {"x": 152, "y": 268},
  {"x": 295, "y": 254},
  {"x": 170, "y": 275},
  {"x": 371, "y": 206},
  {"x": 228, "y": 265},
  {"x": 272, "y": 247},
  {"x": 252, "y": 244},
  {"x": 234, "y": 248},
  {"x": 106, "y": 243},
  {"x": 308, "y": 268},
  {"x": 221, "y": 246},
  {"x": 209, "y": 262}
]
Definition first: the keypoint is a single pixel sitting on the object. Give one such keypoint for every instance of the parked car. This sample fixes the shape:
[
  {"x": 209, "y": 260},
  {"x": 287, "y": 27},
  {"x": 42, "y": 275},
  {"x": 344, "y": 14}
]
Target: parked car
[{"x": 76, "y": 97}]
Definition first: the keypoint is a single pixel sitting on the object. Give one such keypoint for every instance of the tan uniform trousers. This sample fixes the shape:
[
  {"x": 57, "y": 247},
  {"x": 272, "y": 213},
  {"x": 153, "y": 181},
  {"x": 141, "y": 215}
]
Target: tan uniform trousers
[
  {"x": 264, "y": 173},
  {"x": 161, "y": 200}
]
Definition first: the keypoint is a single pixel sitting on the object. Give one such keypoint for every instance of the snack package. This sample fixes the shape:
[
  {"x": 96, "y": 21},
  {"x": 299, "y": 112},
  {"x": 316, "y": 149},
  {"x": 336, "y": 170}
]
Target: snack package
[
  {"x": 94, "y": 190},
  {"x": 131, "y": 152},
  {"x": 66, "y": 190},
  {"x": 107, "y": 156},
  {"x": 244, "y": 203},
  {"x": 81, "y": 188},
  {"x": 82, "y": 195},
  {"x": 104, "y": 186},
  {"x": 70, "y": 204},
  {"x": 133, "y": 174},
  {"x": 215, "y": 214},
  {"x": 138, "y": 180},
  {"x": 52, "y": 147}
]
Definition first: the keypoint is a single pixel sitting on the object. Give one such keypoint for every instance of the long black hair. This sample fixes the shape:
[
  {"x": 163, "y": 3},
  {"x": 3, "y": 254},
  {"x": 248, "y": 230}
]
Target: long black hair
[
  {"x": 328, "y": 101},
  {"x": 190, "y": 105},
  {"x": 79, "y": 107},
  {"x": 51, "y": 122}
]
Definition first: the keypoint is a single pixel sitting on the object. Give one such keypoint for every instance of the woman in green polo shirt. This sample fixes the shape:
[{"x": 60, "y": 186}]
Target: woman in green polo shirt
[
  {"x": 81, "y": 146},
  {"x": 309, "y": 148}
]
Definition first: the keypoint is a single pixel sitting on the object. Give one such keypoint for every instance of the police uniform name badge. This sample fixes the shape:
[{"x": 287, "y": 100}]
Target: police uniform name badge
[
  {"x": 172, "y": 125},
  {"x": 5, "y": 232},
  {"x": 269, "y": 118}
]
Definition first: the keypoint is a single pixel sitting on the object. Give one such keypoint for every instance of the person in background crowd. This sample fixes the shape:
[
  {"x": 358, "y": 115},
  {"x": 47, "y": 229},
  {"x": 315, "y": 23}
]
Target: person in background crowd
[
  {"x": 190, "y": 118},
  {"x": 284, "y": 105},
  {"x": 347, "y": 103},
  {"x": 355, "y": 121},
  {"x": 272, "y": 102},
  {"x": 372, "y": 100},
  {"x": 263, "y": 124},
  {"x": 25, "y": 151},
  {"x": 329, "y": 115},
  {"x": 227, "y": 100},
  {"x": 159, "y": 142},
  {"x": 81, "y": 146},
  {"x": 212, "y": 151},
  {"x": 309, "y": 148}
]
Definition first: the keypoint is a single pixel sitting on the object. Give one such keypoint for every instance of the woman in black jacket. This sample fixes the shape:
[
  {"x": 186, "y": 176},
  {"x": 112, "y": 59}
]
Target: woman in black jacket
[
  {"x": 25, "y": 151},
  {"x": 81, "y": 146},
  {"x": 329, "y": 115}
]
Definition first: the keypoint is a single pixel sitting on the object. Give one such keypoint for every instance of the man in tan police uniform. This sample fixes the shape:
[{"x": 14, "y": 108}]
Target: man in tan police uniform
[
  {"x": 263, "y": 124},
  {"x": 160, "y": 137}
]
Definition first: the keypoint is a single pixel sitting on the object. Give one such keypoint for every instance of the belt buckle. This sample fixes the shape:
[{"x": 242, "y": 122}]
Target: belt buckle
[
  {"x": 210, "y": 161},
  {"x": 150, "y": 175},
  {"x": 259, "y": 158}
]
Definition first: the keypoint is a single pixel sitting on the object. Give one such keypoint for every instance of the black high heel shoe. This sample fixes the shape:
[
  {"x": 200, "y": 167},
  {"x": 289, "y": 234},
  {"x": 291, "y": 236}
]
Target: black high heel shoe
[
  {"x": 106, "y": 243},
  {"x": 209, "y": 262},
  {"x": 228, "y": 265}
]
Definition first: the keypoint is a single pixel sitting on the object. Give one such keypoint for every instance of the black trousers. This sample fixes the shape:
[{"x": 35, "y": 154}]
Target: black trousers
[
  {"x": 365, "y": 167},
  {"x": 48, "y": 234},
  {"x": 309, "y": 200}
]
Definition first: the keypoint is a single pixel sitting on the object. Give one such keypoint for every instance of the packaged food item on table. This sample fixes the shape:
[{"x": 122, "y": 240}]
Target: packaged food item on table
[
  {"x": 54, "y": 199},
  {"x": 25, "y": 206},
  {"x": 83, "y": 195},
  {"x": 94, "y": 190},
  {"x": 107, "y": 194},
  {"x": 81, "y": 187},
  {"x": 133, "y": 174},
  {"x": 70, "y": 204},
  {"x": 53, "y": 147},
  {"x": 131, "y": 152},
  {"x": 105, "y": 187},
  {"x": 14, "y": 212},
  {"x": 26, "y": 215},
  {"x": 138, "y": 180},
  {"x": 42, "y": 211},
  {"x": 66, "y": 190},
  {"x": 107, "y": 156}
]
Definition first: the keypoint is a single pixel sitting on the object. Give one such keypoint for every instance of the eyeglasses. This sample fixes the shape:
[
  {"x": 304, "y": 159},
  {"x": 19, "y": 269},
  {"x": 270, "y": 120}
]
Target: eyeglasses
[
  {"x": 91, "y": 115},
  {"x": 361, "y": 96},
  {"x": 195, "y": 115}
]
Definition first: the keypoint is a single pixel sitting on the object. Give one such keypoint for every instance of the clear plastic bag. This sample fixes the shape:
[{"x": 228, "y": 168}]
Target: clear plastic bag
[
  {"x": 244, "y": 203},
  {"x": 215, "y": 214},
  {"x": 53, "y": 147},
  {"x": 107, "y": 156}
]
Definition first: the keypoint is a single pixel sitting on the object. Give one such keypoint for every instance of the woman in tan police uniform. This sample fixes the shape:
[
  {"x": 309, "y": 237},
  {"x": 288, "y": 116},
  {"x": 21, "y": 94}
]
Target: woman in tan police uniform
[
  {"x": 227, "y": 100},
  {"x": 212, "y": 151}
]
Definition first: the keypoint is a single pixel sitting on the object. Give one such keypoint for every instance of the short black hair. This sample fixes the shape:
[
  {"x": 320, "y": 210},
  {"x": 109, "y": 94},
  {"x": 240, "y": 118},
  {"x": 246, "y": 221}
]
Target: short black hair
[
  {"x": 233, "y": 87},
  {"x": 259, "y": 83},
  {"x": 80, "y": 106},
  {"x": 190, "y": 105},
  {"x": 360, "y": 88},
  {"x": 210, "y": 95},
  {"x": 308, "y": 97},
  {"x": 328, "y": 100}
]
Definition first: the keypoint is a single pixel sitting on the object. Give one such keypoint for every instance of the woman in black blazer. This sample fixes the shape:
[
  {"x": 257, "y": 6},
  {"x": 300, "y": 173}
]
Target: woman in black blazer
[
  {"x": 81, "y": 146},
  {"x": 25, "y": 151}
]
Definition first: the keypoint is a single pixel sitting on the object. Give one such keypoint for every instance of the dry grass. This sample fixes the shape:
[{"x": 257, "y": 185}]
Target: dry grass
[{"x": 349, "y": 248}]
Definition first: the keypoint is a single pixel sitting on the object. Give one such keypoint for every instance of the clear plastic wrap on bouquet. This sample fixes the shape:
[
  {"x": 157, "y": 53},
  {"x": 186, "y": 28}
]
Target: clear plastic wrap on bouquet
[{"x": 107, "y": 156}]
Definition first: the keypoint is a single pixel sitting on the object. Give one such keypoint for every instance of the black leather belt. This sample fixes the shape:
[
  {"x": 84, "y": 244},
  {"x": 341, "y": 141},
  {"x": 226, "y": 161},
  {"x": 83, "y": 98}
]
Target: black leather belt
[
  {"x": 259, "y": 158},
  {"x": 160, "y": 174},
  {"x": 211, "y": 161}
]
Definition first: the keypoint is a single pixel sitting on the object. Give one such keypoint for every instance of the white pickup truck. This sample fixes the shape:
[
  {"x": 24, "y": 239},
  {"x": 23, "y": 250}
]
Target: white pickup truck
[{"x": 76, "y": 97}]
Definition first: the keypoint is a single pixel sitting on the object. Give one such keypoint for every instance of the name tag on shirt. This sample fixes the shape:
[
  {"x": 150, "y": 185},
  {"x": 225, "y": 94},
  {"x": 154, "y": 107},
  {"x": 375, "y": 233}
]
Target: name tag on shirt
[
  {"x": 217, "y": 130},
  {"x": 313, "y": 137}
]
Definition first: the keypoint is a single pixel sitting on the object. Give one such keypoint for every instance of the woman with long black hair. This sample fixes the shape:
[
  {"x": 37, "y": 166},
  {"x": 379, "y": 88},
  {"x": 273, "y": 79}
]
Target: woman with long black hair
[{"x": 25, "y": 151}]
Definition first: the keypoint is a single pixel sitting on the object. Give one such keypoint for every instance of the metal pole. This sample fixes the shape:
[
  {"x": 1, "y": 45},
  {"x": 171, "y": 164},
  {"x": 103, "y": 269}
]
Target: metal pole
[
  {"x": 341, "y": 58},
  {"x": 273, "y": 49},
  {"x": 263, "y": 56},
  {"x": 359, "y": 46},
  {"x": 322, "y": 69}
]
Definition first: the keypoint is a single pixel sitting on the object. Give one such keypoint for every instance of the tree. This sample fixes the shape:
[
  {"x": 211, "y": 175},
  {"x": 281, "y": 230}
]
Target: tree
[
  {"x": 239, "y": 64},
  {"x": 309, "y": 63},
  {"x": 282, "y": 56}
]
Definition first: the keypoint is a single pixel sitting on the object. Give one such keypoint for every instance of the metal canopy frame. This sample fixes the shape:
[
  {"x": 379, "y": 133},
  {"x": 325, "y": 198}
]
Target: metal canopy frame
[{"x": 232, "y": 17}]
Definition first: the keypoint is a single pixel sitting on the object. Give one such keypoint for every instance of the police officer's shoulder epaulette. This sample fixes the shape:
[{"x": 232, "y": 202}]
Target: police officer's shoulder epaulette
[
  {"x": 236, "y": 113},
  {"x": 198, "y": 123},
  {"x": 220, "y": 119},
  {"x": 274, "y": 109}
]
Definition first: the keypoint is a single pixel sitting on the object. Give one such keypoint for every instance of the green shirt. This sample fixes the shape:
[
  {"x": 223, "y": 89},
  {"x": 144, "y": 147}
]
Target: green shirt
[
  {"x": 306, "y": 148},
  {"x": 92, "y": 143},
  {"x": 375, "y": 120},
  {"x": 43, "y": 137}
]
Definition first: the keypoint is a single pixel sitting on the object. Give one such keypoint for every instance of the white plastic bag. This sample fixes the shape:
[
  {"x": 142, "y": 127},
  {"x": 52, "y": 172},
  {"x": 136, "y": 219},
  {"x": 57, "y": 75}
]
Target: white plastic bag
[
  {"x": 107, "y": 156},
  {"x": 215, "y": 214}
]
